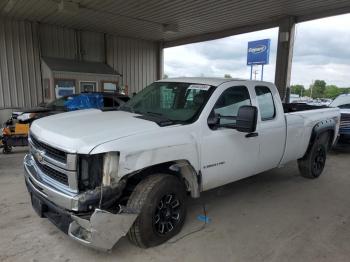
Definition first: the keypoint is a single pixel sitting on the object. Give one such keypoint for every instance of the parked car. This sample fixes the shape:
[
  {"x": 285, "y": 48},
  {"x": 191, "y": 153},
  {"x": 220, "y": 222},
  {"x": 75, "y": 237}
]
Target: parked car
[
  {"x": 20, "y": 120},
  {"x": 109, "y": 101},
  {"x": 101, "y": 175},
  {"x": 343, "y": 102}
]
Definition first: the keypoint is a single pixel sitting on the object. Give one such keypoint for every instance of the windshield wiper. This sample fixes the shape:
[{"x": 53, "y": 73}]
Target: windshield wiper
[{"x": 156, "y": 117}]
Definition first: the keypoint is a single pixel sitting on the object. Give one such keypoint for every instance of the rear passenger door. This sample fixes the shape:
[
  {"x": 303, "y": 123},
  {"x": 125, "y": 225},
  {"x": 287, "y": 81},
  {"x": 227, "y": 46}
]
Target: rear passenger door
[{"x": 271, "y": 127}]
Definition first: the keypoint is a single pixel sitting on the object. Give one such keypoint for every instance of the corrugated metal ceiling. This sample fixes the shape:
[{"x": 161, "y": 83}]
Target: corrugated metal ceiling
[{"x": 145, "y": 18}]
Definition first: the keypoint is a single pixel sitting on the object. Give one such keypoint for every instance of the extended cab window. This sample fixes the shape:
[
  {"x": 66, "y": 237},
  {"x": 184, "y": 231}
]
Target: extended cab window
[
  {"x": 229, "y": 102},
  {"x": 265, "y": 103}
]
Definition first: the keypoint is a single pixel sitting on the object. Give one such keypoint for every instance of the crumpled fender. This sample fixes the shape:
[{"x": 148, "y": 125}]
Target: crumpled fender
[{"x": 147, "y": 149}]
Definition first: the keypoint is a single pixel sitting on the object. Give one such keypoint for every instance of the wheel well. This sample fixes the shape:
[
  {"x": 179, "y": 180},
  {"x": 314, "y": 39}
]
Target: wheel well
[
  {"x": 181, "y": 169},
  {"x": 331, "y": 137},
  {"x": 325, "y": 126}
]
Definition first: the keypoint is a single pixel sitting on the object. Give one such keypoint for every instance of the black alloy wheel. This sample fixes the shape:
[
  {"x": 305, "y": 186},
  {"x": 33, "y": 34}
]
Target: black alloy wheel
[
  {"x": 167, "y": 215},
  {"x": 319, "y": 160}
]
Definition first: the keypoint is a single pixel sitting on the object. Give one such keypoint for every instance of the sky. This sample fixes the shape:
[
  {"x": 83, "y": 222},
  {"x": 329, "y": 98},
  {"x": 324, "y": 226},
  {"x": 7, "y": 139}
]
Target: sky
[{"x": 321, "y": 51}]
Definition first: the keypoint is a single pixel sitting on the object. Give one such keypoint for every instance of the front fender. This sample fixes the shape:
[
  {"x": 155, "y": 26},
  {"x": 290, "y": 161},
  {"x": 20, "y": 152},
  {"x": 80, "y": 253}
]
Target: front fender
[
  {"x": 132, "y": 161},
  {"x": 145, "y": 150}
]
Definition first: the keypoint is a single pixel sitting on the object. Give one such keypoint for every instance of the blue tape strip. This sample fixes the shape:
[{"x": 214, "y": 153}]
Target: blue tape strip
[{"x": 204, "y": 218}]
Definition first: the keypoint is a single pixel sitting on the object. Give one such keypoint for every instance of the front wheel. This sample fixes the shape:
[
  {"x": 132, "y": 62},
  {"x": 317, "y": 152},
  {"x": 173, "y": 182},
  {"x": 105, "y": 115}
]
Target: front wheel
[
  {"x": 161, "y": 199},
  {"x": 313, "y": 163}
]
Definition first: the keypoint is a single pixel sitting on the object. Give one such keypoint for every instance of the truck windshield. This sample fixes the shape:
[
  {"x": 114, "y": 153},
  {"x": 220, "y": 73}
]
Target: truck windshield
[{"x": 176, "y": 102}]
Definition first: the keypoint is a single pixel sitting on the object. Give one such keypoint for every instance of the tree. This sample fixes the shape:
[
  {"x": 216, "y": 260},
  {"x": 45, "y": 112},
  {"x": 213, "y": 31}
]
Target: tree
[
  {"x": 332, "y": 91},
  {"x": 298, "y": 89},
  {"x": 227, "y": 76},
  {"x": 165, "y": 76},
  {"x": 318, "y": 89}
]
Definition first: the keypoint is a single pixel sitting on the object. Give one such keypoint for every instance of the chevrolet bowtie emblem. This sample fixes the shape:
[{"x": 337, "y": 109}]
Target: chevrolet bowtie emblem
[{"x": 39, "y": 156}]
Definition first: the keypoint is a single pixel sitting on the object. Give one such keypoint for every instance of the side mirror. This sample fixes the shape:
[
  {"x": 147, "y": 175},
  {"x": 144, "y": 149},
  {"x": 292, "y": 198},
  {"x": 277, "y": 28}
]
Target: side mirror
[
  {"x": 213, "y": 121},
  {"x": 247, "y": 119}
]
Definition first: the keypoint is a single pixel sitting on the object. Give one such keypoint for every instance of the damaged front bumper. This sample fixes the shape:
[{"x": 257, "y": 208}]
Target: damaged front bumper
[
  {"x": 100, "y": 230},
  {"x": 103, "y": 229}
]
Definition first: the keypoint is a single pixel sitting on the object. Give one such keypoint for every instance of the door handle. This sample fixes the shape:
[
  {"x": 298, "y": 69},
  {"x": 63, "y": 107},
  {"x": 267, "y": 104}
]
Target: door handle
[{"x": 254, "y": 134}]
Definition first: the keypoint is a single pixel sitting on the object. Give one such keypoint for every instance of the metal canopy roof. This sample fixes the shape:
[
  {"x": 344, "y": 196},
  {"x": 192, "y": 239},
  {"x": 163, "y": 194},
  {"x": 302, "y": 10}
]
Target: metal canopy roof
[{"x": 172, "y": 21}]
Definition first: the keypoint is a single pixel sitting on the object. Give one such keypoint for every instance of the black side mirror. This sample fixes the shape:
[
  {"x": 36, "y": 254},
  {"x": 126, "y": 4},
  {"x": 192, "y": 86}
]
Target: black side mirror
[
  {"x": 247, "y": 119},
  {"x": 213, "y": 121}
]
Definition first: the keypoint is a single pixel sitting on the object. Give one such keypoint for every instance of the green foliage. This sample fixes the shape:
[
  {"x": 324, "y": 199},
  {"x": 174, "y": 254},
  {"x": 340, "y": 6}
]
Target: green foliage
[
  {"x": 319, "y": 89},
  {"x": 332, "y": 91},
  {"x": 227, "y": 76},
  {"x": 298, "y": 89}
]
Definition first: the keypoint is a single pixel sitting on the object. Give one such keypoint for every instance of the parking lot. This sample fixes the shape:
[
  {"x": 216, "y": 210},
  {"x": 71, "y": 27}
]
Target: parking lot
[{"x": 274, "y": 216}]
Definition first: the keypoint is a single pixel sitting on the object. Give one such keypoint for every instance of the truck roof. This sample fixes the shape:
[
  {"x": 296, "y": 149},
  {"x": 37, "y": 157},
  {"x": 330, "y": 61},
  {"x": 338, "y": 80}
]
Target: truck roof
[{"x": 213, "y": 81}]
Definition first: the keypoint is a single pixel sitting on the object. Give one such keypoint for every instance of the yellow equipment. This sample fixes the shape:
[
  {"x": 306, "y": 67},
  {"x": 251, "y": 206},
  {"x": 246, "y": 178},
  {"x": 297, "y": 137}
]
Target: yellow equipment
[{"x": 12, "y": 136}]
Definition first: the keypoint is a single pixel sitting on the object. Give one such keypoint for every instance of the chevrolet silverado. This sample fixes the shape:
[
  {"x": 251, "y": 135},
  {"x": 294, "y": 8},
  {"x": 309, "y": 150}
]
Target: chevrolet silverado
[{"x": 100, "y": 175}]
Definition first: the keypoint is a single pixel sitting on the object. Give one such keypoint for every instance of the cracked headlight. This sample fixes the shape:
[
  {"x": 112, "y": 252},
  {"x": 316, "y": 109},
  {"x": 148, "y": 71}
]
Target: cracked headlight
[
  {"x": 99, "y": 169},
  {"x": 110, "y": 168},
  {"x": 90, "y": 171}
]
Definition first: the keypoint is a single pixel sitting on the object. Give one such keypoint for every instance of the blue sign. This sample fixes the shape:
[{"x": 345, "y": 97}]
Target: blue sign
[{"x": 258, "y": 52}]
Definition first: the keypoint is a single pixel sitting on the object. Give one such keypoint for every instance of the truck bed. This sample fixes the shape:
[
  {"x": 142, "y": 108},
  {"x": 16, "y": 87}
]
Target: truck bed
[
  {"x": 296, "y": 107},
  {"x": 300, "y": 120}
]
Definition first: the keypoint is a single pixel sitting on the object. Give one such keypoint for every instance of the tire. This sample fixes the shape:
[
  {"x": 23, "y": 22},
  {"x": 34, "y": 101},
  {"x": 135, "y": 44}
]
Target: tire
[
  {"x": 161, "y": 199},
  {"x": 313, "y": 163}
]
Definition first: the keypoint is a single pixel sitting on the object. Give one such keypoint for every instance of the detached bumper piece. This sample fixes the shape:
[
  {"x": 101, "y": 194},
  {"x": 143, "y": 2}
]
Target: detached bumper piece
[
  {"x": 103, "y": 230},
  {"x": 100, "y": 230}
]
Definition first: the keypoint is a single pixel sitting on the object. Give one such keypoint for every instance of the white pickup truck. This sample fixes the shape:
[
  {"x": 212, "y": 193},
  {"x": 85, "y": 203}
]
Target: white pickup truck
[{"x": 100, "y": 175}]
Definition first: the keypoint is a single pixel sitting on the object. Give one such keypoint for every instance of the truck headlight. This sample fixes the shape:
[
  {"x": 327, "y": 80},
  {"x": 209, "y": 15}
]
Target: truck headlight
[
  {"x": 90, "y": 171},
  {"x": 99, "y": 169},
  {"x": 110, "y": 168}
]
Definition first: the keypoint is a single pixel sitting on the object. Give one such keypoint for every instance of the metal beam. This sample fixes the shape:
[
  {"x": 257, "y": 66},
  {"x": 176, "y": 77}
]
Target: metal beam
[
  {"x": 160, "y": 61},
  {"x": 284, "y": 55},
  {"x": 221, "y": 34},
  {"x": 274, "y": 22},
  {"x": 323, "y": 14}
]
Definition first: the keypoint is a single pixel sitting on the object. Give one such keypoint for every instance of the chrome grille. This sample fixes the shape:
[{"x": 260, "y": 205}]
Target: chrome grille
[
  {"x": 50, "y": 151},
  {"x": 345, "y": 120},
  {"x": 55, "y": 164},
  {"x": 54, "y": 174}
]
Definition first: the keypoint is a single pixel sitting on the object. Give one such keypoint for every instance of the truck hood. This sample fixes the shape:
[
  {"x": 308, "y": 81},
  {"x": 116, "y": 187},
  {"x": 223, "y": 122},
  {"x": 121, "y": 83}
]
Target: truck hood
[{"x": 81, "y": 131}]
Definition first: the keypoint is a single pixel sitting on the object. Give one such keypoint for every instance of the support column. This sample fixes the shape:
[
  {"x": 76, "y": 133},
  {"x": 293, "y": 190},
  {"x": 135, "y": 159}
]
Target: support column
[
  {"x": 284, "y": 55},
  {"x": 160, "y": 61}
]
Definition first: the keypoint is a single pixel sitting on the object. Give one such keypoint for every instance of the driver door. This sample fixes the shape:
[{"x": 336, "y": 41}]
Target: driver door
[{"x": 228, "y": 155}]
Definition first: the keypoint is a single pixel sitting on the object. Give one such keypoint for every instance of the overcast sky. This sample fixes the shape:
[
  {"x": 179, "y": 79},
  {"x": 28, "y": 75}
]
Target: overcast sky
[{"x": 321, "y": 51}]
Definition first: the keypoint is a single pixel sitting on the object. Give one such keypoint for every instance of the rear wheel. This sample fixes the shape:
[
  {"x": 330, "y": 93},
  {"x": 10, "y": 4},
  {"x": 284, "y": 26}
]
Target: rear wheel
[
  {"x": 161, "y": 199},
  {"x": 313, "y": 163}
]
